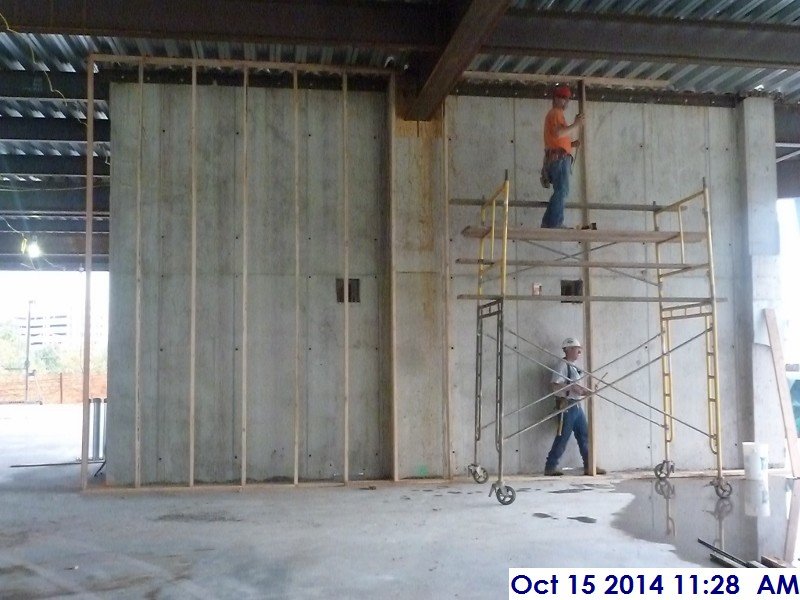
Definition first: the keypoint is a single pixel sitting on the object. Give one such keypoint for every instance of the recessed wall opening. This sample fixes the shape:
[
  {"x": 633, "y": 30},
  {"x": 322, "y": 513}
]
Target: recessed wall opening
[
  {"x": 572, "y": 287},
  {"x": 353, "y": 290}
]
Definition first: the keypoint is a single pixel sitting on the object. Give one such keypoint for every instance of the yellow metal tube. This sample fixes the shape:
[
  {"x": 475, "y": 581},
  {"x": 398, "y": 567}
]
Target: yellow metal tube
[
  {"x": 675, "y": 205},
  {"x": 504, "y": 263},
  {"x": 714, "y": 338},
  {"x": 494, "y": 195}
]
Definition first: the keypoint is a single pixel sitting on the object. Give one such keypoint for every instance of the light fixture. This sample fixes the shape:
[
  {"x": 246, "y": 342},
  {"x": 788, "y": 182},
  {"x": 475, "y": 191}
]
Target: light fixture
[
  {"x": 31, "y": 248},
  {"x": 34, "y": 251}
]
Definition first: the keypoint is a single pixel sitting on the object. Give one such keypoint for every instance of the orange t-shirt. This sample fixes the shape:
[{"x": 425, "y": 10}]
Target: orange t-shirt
[{"x": 554, "y": 120}]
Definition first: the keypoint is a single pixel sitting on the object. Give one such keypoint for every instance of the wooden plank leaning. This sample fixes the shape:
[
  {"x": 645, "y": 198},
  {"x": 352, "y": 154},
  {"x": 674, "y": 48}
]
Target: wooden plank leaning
[{"x": 783, "y": 391}]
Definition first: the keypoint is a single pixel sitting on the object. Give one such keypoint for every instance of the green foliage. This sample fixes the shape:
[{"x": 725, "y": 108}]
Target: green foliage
[
  {"x": 12, "y": 348},
  {"x": 47, "y": 359},
  {"x": 52, "y": 358}
]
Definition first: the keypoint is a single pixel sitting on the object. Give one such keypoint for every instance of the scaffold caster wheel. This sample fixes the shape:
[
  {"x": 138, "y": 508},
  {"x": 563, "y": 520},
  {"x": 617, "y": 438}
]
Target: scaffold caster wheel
[
  {"x": 479, "y": 474},
  {"x": 665, "y": 489},
  {"x": 664, "y": 469},
  {"x": 506, "y": 495},
  {"x": 722, "y": 487},
  {"x": 722, "y": 509}
]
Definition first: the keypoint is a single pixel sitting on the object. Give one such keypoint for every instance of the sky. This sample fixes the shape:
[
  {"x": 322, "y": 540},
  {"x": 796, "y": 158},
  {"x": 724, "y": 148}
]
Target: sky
[{"x": 51, "y": 292}]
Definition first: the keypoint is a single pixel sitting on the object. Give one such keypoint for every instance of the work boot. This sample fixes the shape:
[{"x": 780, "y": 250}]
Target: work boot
[
  {"x": 553, "y": 472},
  {"x": 597, "y": 470}
]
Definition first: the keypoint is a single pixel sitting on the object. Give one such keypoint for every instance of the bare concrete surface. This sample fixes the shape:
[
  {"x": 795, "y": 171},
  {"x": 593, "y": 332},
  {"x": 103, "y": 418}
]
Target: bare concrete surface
[{"x": 419, "y": 539}]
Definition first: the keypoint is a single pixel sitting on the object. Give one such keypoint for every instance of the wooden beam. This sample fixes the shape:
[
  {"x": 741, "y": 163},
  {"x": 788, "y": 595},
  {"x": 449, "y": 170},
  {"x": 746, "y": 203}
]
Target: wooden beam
[
  {"x": 605, "y": 264},
  {"x": 790, "y": 545},
  {"x": 576, "y": 299},
  {"x": 543, "y": 204},
  {"x": 586, "y": 235},
  {"x": 779, "y": 364},
  {"x": 475, "y": 26},
  {"x": 586, "y": 274}
]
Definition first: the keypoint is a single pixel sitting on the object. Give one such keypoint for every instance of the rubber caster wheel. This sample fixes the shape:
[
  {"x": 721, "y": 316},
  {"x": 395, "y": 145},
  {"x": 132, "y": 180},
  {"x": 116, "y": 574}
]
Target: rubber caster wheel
[
  {"x": 479, "y": 474},
  {"x": 664, "y": 469},
  {"x": 506, "y": 495},
  {"x": 722, "y": 488}
]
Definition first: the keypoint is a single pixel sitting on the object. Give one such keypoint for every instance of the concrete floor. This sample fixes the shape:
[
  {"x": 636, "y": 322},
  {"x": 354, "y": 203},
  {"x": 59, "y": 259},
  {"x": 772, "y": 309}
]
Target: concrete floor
[{"x": 429, "y": 539}]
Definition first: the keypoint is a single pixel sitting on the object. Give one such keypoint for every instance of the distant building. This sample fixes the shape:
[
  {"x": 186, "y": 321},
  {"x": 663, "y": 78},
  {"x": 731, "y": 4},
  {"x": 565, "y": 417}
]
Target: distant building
[{"x": 47, "y": 329}]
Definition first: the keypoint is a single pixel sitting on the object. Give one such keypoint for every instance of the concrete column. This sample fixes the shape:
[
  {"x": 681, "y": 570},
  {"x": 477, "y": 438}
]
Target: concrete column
[
  {"x": 418, "y": 206},
  {"x": 759, "y": 279}
]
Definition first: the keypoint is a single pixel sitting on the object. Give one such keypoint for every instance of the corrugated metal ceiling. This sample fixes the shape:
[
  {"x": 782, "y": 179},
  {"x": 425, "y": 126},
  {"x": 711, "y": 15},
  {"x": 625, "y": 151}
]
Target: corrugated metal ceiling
[{"x": 66, "y": 53}]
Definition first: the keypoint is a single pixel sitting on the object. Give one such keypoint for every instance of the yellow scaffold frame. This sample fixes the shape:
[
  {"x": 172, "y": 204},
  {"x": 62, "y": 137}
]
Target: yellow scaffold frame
[{"x": 494, "y": 230}]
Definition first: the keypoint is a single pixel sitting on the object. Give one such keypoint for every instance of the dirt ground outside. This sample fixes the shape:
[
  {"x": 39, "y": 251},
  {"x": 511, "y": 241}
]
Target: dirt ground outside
[{"x": 51, "y": 388}]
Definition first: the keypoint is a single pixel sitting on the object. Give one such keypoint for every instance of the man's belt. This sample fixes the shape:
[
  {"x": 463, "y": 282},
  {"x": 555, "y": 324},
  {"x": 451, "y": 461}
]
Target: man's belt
[{"x": 555, "y": 153}]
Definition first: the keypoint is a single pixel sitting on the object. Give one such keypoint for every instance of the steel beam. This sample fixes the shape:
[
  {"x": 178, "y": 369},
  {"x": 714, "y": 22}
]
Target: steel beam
[
  {"x": 27, "y": 84},
  {"x": 619, "y": 37},
  {"x": 51, "y": 130},
  {"x": 386, "y": 25},
  {"x": 51, "y": 225},
  {"x": 787, "y": 124},
  {"x": 789, "y": 179},
  {"x": 63, "y": 262},
  {"x": 475, "y": 25},
  {"x": 44, "y": 166},
  {"x": 28, "y": 199},
  {"x": 55, "y": 244}
]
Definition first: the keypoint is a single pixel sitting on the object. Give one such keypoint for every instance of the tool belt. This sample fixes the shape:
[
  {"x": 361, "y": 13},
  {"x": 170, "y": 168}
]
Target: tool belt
[
  {"x": 551, "y": 155},
  {"x": 562, "y": 402}
]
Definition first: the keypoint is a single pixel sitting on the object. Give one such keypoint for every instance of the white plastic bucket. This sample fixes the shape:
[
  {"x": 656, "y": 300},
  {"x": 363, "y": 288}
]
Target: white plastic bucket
[{"x": 756, "y": 460}]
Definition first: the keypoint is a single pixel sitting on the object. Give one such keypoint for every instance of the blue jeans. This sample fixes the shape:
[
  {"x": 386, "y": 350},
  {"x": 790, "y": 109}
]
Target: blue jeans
[
  {"x": 558, "y": 172},
  {"x": 573, "y": 421}
]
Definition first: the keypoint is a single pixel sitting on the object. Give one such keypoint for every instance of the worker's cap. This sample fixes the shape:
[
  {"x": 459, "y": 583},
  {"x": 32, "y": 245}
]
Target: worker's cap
[
  {"x": 570, "y": 342},
  {"x": 562, "y": 91}
]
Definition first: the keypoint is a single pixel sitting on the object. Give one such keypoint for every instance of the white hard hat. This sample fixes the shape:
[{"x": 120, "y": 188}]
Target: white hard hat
[{"x": 571, "y": 342}]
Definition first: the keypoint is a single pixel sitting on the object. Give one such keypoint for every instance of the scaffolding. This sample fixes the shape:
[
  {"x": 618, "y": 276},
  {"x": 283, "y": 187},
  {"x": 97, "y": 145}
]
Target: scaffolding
[{"x": 494, "y": 234}]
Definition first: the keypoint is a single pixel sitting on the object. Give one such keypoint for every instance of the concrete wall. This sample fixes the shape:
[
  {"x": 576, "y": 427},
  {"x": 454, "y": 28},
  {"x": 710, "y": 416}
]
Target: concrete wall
[
  {"x": 636, "y": 154},
  {"x": 250, "y": 297},
  {"x": 410, "y": 343}
]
